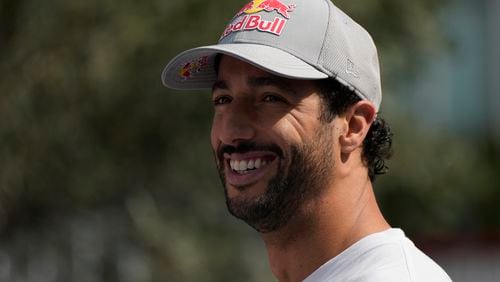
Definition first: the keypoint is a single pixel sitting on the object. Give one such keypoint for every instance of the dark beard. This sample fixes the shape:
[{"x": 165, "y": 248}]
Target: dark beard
[{"x": 307, "y": 174}]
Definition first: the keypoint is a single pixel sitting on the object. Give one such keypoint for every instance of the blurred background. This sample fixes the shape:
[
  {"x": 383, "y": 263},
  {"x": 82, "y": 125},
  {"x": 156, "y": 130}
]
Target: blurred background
[{"x": 107, "y": 176}]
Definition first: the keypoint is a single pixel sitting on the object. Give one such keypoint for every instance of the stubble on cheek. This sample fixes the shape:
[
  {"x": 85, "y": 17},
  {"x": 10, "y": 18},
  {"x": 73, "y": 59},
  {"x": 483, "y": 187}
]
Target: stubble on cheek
[{"x": 300, "y": 178}]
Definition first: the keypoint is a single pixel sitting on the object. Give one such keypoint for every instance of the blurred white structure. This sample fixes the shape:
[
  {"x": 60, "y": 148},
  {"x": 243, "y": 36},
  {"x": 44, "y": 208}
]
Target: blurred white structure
[
  {"x": 460, "y": 90},
  {"x": 467, "y": 257},
  {"x": 493, "y": 64}
]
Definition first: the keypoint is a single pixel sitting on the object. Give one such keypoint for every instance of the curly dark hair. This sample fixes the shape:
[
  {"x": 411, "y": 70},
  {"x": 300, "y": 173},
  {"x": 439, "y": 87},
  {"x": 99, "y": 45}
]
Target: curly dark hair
[{"x": 377, "y": 146}]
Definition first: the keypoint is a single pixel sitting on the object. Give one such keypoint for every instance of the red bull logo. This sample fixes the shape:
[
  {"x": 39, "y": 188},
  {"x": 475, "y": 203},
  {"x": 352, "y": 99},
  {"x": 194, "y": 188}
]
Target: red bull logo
[
  {"x": 252, "y": 22},
  {"x": 193, "y": 67}
]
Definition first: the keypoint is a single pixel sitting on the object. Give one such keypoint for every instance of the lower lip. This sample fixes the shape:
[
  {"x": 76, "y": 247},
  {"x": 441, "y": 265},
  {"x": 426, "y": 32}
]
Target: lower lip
[{"x": 239, "y": 180}]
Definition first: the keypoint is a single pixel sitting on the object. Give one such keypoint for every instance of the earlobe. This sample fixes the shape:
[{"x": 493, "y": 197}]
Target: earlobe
[{"x": 358, "y": 118}]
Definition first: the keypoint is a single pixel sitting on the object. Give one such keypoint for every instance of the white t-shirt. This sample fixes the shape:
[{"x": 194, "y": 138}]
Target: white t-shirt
[{"x": 387, "y": 256}]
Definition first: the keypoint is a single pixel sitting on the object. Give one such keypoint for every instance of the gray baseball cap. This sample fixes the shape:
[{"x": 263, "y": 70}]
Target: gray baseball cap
[{"x": 298, "y": 39}]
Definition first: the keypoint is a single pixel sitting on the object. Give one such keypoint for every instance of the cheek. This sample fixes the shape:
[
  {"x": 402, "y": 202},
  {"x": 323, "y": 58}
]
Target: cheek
[
  {"x": 291, "y": 129},
  {"x": 213, "y": 137},
  {"x": 214, "y": 132},
  {"x": 284, "y": 132}
]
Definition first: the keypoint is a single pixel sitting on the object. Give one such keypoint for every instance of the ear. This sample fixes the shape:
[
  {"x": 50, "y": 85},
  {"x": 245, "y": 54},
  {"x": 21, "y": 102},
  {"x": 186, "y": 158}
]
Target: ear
[{"x": 358, "y": 118}]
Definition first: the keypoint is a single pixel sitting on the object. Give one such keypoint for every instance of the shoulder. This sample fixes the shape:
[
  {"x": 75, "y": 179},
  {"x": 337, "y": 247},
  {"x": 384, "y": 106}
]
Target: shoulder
[{"x": 386, "y": 256}]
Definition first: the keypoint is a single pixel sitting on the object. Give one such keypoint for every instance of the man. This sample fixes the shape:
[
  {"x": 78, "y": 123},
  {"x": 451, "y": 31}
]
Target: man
[{"x": 297, "y": 140}]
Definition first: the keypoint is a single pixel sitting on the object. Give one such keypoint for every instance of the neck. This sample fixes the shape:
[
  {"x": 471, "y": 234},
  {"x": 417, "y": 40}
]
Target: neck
[{"x": 323, "y": 229}]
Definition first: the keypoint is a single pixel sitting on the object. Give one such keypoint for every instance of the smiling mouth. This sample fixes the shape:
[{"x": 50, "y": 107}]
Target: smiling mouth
[
  {"x": 248, "y": 165},
  {"x": 249, "y": 168}
]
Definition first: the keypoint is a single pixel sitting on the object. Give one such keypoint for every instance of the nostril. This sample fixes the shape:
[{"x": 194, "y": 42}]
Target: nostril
[
  {"x": 233, "y": 126},
  {"x": 240, "y": 133}
]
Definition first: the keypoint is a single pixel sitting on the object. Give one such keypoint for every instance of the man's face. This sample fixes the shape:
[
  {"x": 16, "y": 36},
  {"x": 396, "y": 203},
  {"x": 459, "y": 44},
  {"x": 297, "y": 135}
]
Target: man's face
[{"x": 272, "y": 151}]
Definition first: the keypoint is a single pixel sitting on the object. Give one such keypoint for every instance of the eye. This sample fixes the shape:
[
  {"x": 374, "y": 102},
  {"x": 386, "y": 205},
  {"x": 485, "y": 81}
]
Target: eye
[
  {"x": 273, "y": 98},
  {"x": 221, "y": 100}
]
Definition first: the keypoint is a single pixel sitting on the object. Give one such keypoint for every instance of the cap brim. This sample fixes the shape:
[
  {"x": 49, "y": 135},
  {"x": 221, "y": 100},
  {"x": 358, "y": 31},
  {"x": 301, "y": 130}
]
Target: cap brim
[{"x": 194, "y": 68}]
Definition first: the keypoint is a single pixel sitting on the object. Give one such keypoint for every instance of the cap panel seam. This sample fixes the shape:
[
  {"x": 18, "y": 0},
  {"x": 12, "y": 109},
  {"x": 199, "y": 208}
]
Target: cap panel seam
[{"x": 325, "y": 36}]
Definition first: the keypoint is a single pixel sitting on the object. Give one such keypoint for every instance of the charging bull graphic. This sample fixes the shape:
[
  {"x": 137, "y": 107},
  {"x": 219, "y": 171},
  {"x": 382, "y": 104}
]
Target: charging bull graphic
[
  {"x": 256, "y": 6},
  {"x": 193, "y": 67}
]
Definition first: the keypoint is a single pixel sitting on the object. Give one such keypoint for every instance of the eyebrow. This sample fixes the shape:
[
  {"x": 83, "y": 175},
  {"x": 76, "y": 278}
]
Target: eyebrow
[
  {"x": 271, "y": 81},
  {"x": 256, "y": 82},
  {"x": 219, "y": 85}
]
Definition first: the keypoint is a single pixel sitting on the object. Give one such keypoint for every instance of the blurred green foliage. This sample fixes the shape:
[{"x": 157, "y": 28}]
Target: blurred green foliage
[{"x": 107, "y": 176}]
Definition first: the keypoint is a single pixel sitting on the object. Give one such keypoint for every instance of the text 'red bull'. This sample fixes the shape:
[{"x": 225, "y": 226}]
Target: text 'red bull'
[{"x": 256, "y": 22}]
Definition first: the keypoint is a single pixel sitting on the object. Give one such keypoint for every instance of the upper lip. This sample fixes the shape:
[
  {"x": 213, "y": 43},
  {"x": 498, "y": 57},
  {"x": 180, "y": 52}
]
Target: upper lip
[{"x": 249, "y": 155}]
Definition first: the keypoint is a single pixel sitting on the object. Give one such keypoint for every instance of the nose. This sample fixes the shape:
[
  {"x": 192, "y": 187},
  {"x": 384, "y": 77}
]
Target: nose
[{"x": 234, "y": 125}]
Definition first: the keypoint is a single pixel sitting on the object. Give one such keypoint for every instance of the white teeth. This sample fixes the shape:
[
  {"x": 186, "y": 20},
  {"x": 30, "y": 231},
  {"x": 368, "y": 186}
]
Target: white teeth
[{"x": 245, "y": 165}]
